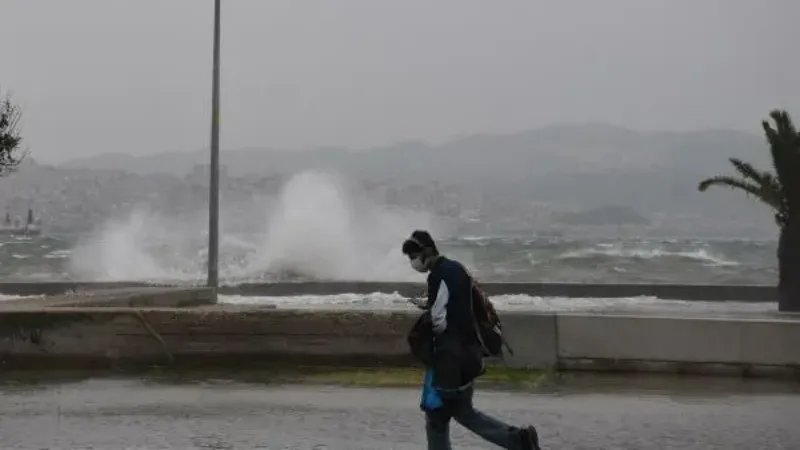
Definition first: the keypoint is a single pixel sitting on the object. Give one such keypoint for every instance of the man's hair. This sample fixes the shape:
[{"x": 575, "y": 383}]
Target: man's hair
[{"x": 419, "y": 241}]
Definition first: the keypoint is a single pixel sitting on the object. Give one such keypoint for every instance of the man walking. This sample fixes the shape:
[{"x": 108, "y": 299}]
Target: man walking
[{"x": 457, "y": 357}]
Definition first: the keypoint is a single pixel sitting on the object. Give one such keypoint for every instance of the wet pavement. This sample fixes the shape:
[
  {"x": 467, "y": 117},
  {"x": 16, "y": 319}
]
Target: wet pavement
[{"x": 132, "y": 413}]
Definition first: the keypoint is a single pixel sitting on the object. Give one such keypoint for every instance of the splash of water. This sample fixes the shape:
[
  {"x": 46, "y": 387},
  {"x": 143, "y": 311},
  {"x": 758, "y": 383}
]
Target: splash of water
[
  {"x": 514, "y": 302},
  {"x": 320, "y": 226},
  {"x": 129, "y": 250}
]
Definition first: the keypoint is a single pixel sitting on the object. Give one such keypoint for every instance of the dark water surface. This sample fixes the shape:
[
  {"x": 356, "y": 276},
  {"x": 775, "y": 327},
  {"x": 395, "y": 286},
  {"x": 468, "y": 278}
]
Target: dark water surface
[
  {"x": 142, "y": 257},
  {"x": 582, "y": 413}
]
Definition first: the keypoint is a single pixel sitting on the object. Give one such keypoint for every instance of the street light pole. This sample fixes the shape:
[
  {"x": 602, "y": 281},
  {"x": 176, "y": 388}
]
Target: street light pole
[{"x": 213, "y": 185}]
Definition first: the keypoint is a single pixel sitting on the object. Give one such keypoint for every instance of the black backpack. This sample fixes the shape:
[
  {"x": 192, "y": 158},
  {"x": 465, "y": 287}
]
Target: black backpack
[
  {"x": 420, "y": 339},
  {"x": 487, "y": 323}
]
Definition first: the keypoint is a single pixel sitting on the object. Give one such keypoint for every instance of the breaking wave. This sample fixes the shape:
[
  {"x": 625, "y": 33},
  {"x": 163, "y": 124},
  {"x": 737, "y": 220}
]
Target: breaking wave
[
  {"x": 519, "y": 302},
  {"x": 319, "y": 227},
  {"x": 647, "y": 253}
]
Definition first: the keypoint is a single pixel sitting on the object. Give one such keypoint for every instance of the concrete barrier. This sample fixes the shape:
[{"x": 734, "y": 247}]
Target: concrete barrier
[
  {"x": 678, "y": 344},
  {"x": 64, "y": 287},
  {"x": 139, "y": 297},
  {"x": 124, "y": 297},
  {"x": 533, "y": 338},
  {"x": 110, "y": 336},
  {"x": 214, "y": 335},
  {"x": 746, "y": 293}
]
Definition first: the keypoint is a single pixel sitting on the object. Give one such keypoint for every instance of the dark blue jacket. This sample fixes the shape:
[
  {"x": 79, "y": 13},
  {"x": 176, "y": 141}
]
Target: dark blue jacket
[
  {"x": 450, "y": 300},
  {"x": 457, "y": 357}
]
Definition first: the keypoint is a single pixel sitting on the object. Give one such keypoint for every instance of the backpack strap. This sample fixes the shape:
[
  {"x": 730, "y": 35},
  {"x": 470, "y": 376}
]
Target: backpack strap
[
  {"x": 475, "y": 284},
  {"x": 475, "y": 325}
]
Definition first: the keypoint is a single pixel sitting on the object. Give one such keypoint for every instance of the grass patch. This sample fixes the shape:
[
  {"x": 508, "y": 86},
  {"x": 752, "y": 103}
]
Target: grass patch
[{"x": 497, "y": 376}]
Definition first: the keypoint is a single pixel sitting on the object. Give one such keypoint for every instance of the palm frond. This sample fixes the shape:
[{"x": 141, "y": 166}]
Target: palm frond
[
  {"x": 784, "y": 143},
  {"x": 747, "y": 171},
  {"x": 758, "y": 191},
  {"x": 783, "y": 122},
  {"x": 783, "y": 126},
  {"x": 780, "y": 189},
  {"x": 767, "y": 180}
]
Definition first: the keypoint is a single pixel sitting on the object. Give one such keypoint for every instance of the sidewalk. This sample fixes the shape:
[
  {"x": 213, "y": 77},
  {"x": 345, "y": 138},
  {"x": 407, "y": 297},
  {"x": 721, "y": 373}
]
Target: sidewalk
[{"x": 132, "y": 414}]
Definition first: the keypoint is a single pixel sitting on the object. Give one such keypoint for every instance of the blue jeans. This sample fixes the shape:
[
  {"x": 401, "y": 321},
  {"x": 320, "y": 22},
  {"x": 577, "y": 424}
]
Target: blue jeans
[{"x": 458, "y": 406}]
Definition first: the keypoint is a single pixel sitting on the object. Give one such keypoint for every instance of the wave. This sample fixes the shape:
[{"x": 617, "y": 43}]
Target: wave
[
  {"x": 518, "y": 302},
  {"x": 604, "y": 251},
  {"x": 319, "y": 228},
  {"x": 58, "y": 254}
]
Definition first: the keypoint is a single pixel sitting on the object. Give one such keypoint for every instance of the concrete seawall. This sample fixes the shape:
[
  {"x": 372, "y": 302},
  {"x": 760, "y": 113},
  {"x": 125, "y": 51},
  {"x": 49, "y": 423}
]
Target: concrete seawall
[
  {"x": 109, "y": 336},
  {"x": 215, "y": 335},
  {"x": 50, "y": 288},
  {"x": 745, "y": 293},
  {"x": 124, "y": 297},
  {"x": 741, "y": 346}
]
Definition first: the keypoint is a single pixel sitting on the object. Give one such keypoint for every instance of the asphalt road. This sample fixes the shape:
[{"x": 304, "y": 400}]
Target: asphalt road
[{"x": 135, "y": 414}]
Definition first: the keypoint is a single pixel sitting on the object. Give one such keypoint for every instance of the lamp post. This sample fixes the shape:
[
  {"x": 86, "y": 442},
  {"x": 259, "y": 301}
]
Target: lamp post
[{"x": 213, "y": 185}]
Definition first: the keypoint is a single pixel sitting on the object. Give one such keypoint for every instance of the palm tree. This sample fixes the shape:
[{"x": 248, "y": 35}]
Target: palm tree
[
  {"x": 780, "y": 190},
  {"x": 9, "y": 137}
]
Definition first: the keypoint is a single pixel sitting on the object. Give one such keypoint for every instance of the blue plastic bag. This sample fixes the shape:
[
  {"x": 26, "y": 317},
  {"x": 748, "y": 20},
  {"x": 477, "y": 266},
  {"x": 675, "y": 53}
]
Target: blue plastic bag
[{"x": 430, "y": 396}]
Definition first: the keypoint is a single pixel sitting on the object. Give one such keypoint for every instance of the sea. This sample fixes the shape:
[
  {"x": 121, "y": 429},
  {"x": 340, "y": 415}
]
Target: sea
[
  {"x": 490, "y": 258},
  {"x": 124, "y": 256}
]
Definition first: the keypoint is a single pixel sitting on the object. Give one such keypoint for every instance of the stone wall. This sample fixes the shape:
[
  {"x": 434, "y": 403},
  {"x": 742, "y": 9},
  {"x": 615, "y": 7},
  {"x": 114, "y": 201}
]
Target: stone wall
[
  {"x": 125, "y": 297},
  {"x": 217, "y": 335},
  {"x": 117, "y": 336},
  {"x": 742, "y": 346}
]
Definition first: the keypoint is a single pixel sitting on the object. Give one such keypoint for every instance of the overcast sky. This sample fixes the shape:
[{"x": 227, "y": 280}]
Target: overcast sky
[{"x": 97, "y": 76}]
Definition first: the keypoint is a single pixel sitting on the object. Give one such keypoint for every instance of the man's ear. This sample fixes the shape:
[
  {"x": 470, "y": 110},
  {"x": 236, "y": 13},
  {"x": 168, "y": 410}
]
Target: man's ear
[{"x": 428, "y": 254}]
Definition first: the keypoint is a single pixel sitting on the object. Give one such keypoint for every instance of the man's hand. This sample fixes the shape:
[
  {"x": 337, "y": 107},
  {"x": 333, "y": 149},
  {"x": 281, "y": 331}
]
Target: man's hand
[{"x": 421, "y": 303}]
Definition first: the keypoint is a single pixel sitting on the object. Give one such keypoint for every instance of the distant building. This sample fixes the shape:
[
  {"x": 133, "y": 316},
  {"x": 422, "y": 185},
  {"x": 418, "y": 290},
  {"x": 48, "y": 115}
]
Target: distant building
[
  {"x": 32, "y": 226},
  {"x": 199, "y": 175}
]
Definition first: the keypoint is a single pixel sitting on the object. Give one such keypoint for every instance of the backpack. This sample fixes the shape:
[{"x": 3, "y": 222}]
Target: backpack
[
  {"x": 420, "y": 339},
  {"x": 487, "y": 324}
]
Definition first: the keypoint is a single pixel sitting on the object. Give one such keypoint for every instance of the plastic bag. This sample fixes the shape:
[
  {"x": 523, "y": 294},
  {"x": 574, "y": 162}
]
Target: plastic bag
[{"x": 430, "y": 396}]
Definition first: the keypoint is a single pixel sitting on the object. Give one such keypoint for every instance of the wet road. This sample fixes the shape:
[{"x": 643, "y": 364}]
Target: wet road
[{"x": 133, "y": 414}]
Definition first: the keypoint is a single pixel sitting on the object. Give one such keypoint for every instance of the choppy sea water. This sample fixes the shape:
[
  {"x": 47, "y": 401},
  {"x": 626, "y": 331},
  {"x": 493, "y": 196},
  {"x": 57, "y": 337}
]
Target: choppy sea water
[
  {"x": 396, "y": 302},
  {"x": 379, "y": 301},
  {"x": 495, "y": 259}
]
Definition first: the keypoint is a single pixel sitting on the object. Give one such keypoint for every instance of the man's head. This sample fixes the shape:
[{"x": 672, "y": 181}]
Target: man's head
[{"x": 421, "y": 250}]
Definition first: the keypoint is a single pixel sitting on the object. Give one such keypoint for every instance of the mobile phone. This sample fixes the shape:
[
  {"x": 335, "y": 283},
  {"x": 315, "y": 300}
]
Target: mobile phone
[{"x": 418, "y": 302}]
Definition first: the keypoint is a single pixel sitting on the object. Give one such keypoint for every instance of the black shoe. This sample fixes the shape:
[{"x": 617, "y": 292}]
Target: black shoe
[{"x": 530, "y": 438}]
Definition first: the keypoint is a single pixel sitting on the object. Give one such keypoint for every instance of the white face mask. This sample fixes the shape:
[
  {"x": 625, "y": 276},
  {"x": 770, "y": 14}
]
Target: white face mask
[{"x": 418, "y": 265}]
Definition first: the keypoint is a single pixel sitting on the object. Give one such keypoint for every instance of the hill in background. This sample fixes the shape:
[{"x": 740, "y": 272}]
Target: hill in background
[{"x": 564, "y": 168}]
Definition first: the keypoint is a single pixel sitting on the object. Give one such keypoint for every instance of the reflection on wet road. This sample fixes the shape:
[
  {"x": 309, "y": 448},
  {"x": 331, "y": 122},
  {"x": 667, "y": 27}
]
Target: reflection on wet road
[{"x": 134, "y": 414}]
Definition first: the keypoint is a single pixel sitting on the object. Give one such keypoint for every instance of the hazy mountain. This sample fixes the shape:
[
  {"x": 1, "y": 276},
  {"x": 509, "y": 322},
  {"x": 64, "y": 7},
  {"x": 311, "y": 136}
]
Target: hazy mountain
[
  {"x": 562, "y": 148},
  {"x": 508, "y": 180}
]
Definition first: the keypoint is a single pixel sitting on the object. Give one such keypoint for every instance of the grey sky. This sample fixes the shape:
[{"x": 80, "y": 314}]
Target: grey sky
[{"x": 131, "y": 76}]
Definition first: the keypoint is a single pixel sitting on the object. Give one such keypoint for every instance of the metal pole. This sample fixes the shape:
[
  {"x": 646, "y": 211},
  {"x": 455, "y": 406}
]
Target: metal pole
[{"x": 213, "y": 185}]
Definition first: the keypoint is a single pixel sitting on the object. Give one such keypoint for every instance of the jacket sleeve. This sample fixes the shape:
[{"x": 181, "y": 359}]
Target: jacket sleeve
[{"x": 440, "y": 296}]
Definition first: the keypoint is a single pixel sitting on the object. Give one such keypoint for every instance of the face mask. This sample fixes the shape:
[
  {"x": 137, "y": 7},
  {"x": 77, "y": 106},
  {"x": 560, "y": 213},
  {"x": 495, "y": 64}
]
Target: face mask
[{"x": 418, "y": 265}]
